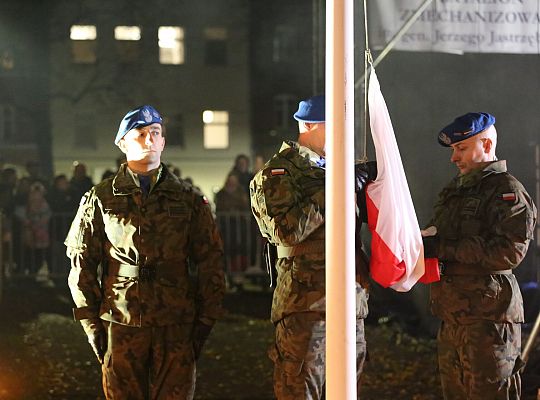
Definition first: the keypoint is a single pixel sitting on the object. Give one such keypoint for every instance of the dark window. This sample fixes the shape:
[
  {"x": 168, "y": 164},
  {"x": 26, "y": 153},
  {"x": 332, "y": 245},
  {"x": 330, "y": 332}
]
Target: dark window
[
  {"x": 284, "y": 107},
  {"x": 83, "y": 43},
  {"x": 174, "y": 131},
  {"x": 284, "y": 45},
  {"x": 216, "y": 46},
  {"x": 216, "y": 52},
  {"x": 128, "y": 43}
]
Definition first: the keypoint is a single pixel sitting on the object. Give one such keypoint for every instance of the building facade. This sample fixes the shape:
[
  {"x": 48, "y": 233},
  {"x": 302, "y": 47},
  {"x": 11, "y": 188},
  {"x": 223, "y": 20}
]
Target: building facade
[{"x": 187, "y": 59}]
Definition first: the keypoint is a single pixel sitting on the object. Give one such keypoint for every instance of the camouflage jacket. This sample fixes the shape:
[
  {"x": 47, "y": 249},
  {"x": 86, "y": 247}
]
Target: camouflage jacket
[
  {"x": 287, "y": 200},
  {"x": 164, "y": 233},
  {"x": 485, "y": 221}
]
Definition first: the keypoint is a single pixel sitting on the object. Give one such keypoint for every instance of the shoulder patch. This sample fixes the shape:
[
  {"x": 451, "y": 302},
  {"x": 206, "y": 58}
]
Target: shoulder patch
[
  {"x": 278, "y": 171},
  {"x": 510, "y": 196}
]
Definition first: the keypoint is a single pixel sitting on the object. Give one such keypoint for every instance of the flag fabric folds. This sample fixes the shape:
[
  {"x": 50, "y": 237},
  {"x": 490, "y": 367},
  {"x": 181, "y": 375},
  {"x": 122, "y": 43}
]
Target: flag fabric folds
[{"x": 397, "y": 255}]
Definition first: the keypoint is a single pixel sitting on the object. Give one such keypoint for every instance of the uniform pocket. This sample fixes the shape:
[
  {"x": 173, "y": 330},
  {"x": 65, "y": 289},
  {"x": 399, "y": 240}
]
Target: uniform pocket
[
  {"x": 291, "y": 346},
  {"x": 496, "y": 349}
]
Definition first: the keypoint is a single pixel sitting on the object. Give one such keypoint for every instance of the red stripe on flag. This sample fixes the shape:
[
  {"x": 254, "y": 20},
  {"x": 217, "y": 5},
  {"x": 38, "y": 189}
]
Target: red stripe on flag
[
  {"x": 384, "y": 266},
  {"x": 432, "y": 273}
]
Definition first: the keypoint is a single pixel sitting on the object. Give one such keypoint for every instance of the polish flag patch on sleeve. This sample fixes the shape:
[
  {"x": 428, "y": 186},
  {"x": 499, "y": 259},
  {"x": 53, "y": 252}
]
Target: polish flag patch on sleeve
[
  {"x": 511, "y": 196},
  {"x": 278, "y": 171}
]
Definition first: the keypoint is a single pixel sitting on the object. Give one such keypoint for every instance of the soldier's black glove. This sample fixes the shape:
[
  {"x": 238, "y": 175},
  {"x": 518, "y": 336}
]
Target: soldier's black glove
[
  {"x": 97, "y": 336},
  {"x": 201, "y": 331},
  {"x": 364, "y": 173},
  {"x": 431, "y": 246}
]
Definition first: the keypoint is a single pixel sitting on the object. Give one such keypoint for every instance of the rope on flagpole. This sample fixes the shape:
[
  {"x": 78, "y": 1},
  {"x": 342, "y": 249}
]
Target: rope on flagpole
[{"x": 368, "y": 60}]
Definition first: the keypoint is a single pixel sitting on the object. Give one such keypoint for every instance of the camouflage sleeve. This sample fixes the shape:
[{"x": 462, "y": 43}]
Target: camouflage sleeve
[
  {"x": 287, "y": 209},
  {"x": 84, "y": 248},
  {"x": 207, "y": 254},
  {"x": 505, "y": 244}
]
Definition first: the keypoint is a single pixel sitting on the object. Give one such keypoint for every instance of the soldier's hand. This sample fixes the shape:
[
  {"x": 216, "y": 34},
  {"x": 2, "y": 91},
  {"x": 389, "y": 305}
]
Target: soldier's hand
[
  {"x": 431, "y": 246},
  {"x": 97, "y": 336},
  {"x": 364, "y": 173},
  {"x": 201, "y": 331}
]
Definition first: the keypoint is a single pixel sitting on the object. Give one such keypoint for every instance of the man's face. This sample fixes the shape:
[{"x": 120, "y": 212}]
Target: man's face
[
  {"x": 469, "y": 154},
  {"x": 144, "y": 145}
]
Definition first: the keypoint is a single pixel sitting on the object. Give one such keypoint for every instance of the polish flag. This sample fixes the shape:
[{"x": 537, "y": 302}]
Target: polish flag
[{"x": 397, "y": 254}]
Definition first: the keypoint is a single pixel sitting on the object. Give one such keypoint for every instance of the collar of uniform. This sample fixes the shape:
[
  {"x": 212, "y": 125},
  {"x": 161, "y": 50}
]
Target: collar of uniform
[
  {"x": 126, "y": 181},
  {"x": 305, "y": 152},
  {"x": 473, "y": 177},
  {"x": 154, "y": 176}
]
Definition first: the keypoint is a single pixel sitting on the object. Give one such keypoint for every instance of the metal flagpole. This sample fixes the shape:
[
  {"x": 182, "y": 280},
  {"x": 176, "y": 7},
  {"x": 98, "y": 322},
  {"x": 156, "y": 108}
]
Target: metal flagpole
[{"x": 340, "y": 217}]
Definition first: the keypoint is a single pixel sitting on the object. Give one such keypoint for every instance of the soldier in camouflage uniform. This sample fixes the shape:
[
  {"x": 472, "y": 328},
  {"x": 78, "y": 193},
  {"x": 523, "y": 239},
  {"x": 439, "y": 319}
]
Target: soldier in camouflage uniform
[
  {"x": 288, "y": 202},
  {"x": 130, "y": 245},
  {"x": 482, "y": 225}
]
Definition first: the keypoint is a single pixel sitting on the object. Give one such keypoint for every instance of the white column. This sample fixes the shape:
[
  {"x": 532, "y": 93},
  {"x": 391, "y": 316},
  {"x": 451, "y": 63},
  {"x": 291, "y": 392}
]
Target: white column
[{"x": 340, "y": 207}]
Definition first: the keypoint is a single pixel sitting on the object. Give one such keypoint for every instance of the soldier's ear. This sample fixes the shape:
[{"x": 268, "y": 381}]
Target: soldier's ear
[
  {"x": 487, "y": 144},
  {"x": 122, "y": 145}
]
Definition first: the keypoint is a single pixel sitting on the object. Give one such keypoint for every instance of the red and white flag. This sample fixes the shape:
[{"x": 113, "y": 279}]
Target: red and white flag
[{"x": 397, "y": 254}]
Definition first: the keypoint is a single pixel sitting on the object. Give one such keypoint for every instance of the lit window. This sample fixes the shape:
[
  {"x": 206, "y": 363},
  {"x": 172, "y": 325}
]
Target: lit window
[
  {"x": 216, "y": 129},
  {"x": 83, "y": 43},
  {"x": 171, "y": 45},
  {"x": 83, "y": 32},
  {"x": 128, "y": 43},
  {"x": 216, "y": 46},
  {"x": 127, "y": 33},
  {"x": 6, "y": 59}
]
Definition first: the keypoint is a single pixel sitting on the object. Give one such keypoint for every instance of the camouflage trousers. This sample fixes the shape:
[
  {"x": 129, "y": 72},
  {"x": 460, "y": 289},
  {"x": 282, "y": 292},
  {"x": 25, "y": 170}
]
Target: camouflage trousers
[
  {"x": 149, "y": 363},
  {"x": 299, "y": 356},
  {"x": 480, "y": 361}
]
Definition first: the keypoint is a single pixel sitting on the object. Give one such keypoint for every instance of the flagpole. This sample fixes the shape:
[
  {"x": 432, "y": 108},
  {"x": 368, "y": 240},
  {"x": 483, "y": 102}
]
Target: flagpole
[{"x": 340, "y": 217}]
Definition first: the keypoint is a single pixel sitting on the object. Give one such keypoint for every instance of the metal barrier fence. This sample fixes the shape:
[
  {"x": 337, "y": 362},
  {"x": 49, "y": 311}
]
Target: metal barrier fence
[
  {"x": 20, "y": 256},
  {"x": 243, "y": 248},
  {"x": 24, "y": 255}
]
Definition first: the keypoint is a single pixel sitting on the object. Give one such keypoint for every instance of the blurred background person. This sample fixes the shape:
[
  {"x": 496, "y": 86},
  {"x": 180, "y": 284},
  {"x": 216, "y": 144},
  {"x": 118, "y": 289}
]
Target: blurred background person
[
  {"x": 80, "y": 182},
  {"x": 36, "y": 234},
  {"x": 233, "y": 216},
  {"x": 242, "y": 172}
]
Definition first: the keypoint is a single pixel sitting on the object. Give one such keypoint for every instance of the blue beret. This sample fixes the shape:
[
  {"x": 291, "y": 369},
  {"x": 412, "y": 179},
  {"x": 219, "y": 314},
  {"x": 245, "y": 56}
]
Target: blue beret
[
  {"x": 311, "y": 110},
  {"x": 465, "y": 127},
  {"x": 140, "y": 116}
]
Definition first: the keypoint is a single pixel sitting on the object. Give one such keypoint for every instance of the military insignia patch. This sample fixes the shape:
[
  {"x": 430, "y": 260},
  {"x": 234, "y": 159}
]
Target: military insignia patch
[
  {"x": 147, "y": 116},
  {"x": 509, "y": 196},
  {"x": 278, "y": 171},
  {"x": 470, "y": 206},
  {"x": 443, "y": 137}
]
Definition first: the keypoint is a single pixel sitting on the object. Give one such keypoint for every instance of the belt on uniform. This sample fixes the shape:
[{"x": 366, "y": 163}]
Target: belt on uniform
[
  {"x": 469, "y": 269},
  {"x": 312, "y": 246},
  {"x": 143, "y": 272}
]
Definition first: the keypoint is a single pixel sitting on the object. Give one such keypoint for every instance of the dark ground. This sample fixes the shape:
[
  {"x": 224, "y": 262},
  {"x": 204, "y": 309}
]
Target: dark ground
[{"x": 44, "y": 354}]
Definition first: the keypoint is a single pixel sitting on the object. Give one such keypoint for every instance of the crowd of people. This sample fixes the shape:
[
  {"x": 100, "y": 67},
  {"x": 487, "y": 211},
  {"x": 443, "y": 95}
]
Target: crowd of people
[{"x": 37, "y": 213}]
